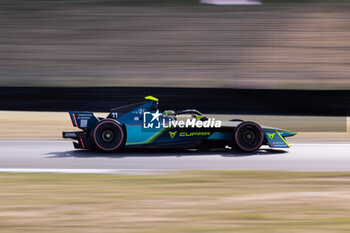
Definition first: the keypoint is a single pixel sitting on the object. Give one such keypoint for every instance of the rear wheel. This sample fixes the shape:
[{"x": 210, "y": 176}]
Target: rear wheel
[
  {"x": 108, "y": 135},
  {"x": 248, "y": 136}
]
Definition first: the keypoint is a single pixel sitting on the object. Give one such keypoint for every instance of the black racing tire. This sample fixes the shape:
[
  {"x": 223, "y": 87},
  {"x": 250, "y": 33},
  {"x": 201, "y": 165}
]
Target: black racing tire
[
  {"x": 248, "y": 136},
  {"x": 108, "y": 135}
]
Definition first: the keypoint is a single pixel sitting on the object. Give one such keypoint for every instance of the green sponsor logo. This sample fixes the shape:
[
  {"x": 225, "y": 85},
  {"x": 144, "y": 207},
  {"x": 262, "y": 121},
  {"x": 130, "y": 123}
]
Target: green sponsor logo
[
  {"x": 271, "y": 135},
  {"x": 191, "y": 134},
  {"x": 172, "y": 134}
]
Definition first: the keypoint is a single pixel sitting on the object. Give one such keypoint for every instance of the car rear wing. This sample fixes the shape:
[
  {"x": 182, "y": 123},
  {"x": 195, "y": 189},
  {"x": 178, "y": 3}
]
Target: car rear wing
[{"x": 83, "y": 120}]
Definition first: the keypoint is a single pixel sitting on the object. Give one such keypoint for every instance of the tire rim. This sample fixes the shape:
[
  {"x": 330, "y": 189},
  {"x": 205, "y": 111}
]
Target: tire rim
[
  {"x": 108, "y": 135},
  {"x": 249, "y": 136}
]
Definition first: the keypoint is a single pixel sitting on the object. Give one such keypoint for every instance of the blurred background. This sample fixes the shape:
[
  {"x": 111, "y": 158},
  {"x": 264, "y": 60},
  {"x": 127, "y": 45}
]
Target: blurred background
[
  {"x": 175, "y": 43},
  {"x": 281, "y": 57},
  {"x": 284, "y": 63}
]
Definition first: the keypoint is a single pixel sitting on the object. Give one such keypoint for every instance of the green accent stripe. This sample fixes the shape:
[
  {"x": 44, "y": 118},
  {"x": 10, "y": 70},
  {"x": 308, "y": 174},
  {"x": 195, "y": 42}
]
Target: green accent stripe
[
  {"x": 157, "y": 135},
  {"x": 149, "y": 140},
  {"x": 283, "y": 139}
]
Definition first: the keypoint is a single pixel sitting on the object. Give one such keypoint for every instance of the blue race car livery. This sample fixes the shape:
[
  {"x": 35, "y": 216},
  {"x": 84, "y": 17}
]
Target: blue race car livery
[{"x": 142, "y": 125}]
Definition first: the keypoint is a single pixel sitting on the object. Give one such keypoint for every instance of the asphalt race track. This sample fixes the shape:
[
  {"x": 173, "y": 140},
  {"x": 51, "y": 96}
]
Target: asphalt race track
[{"x": 53, "y": 156}]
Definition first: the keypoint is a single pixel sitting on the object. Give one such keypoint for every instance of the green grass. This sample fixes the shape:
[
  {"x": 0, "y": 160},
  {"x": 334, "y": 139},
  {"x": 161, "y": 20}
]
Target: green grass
[{"x": 195, "y": 201}]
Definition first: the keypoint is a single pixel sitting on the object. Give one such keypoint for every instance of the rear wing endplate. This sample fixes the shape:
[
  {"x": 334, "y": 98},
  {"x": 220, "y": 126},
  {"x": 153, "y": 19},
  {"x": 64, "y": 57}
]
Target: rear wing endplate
[{"x": 83, "y": 120}]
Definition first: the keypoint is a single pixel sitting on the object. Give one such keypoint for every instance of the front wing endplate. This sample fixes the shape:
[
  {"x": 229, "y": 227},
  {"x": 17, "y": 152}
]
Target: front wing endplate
[{"x": 275, "y": 139}]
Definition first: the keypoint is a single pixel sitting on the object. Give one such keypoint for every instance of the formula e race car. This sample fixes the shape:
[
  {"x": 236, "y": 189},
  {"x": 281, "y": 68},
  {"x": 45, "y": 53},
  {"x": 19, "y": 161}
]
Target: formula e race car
[{"x": 142, "y": 125}]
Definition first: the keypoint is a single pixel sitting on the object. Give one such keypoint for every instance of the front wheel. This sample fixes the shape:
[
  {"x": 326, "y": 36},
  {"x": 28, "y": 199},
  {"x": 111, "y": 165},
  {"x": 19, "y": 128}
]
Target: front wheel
[
  {"x": 108, "y": 135},
  {"x": 248, "y": 136}
]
